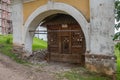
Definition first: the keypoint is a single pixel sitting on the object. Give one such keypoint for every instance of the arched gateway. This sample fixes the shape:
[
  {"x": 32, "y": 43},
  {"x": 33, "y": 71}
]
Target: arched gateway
[
  {"x": 66, "y": 41},
  {"x": 93, "y": 19},
  {"x": 70, "y": 50},
  {"x": 44, "y": 11}
]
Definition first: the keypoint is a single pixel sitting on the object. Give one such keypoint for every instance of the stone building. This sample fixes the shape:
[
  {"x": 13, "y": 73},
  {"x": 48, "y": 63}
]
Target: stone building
[
  {"x": 5, "y": 21},
  {"x": 94, "y": 17}
]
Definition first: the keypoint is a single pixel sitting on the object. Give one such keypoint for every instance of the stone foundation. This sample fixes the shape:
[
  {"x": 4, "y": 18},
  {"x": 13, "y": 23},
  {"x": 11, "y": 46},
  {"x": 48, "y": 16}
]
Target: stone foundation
[
  {"x": 19, "y": 50},
  {"x": 100, "y": 63}
]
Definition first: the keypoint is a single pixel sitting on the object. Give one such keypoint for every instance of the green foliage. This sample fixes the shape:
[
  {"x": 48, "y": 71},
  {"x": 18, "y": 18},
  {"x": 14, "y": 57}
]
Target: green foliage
[
  {"x": 8, "y": 41},
  {"x": 117, "y": 53},
  {"x": 39, "y": 44},
  {"x": 117, "y": 17},
  {"x": 117, "y": 46},
  {"x": 117, "y": 10},
  {"x": 116, "y": 35}
]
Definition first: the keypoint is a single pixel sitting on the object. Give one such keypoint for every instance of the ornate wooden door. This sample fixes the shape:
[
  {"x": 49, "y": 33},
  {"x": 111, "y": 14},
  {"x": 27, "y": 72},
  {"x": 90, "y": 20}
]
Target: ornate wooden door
[{"x": 66, "y": 44}]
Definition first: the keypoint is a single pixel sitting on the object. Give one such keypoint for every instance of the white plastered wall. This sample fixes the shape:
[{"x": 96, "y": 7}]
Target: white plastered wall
[
  {"x": 17, "y": 19},
  {"x": 102, "y": 26}
]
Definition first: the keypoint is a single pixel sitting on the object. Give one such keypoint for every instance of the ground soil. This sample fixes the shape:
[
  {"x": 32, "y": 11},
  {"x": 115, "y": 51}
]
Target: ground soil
[{"x": 10, "y": 70}]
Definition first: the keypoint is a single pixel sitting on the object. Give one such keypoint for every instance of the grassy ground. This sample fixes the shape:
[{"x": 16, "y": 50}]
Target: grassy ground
[
  {"x": 6, "y": 47},
  {"x": 81, "y": 74},
  {"x": 117, "y": 52},
  {"x": 39, "y": 44}
]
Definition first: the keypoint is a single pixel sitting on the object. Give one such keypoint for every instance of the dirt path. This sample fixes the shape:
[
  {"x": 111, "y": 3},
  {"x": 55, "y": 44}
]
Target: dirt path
[{"x": 10, "y": 70}]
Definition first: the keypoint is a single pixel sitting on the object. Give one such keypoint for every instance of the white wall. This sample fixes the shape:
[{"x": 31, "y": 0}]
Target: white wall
[
  {"x": 17, "y": 18},
  {"x": 102, "y": 26}
]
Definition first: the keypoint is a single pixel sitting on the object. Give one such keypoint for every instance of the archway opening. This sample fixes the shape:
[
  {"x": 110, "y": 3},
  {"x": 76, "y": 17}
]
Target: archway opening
[
  {"x": 40, "y": 38},
  {"x": 65, "y": 39},
  {"x": 44, "y": 11},
  {"x": 39, "y": 44}
]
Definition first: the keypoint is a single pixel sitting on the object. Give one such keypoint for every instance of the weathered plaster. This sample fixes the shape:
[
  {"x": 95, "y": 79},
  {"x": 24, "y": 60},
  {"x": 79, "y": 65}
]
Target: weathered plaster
[
  {"x": 80, "y": 5},
  {"x": 17, "y": 19},
  {"x": 102, "y": 26},
  {"x": 101, "y": 32}
]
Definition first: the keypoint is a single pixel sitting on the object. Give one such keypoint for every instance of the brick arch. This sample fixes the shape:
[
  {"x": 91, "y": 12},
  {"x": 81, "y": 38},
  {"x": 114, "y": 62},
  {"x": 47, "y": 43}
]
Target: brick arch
[{"x": 49, "y": 9}]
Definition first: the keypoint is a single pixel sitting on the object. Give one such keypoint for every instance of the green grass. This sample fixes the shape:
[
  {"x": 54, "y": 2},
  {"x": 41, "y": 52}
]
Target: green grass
[
  {"x": 77, "y": 76},
  {"x": 117, "y": 53},
  {"x": 6, "y": 47},
  {"x": 81, "y": 74},
  {"x": 39, "y": 44},
  {"x": 7, "y": 39}
]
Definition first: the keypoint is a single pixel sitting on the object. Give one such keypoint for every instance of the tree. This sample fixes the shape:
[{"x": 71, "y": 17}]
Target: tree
[
  {"x": 117, "y": 18},
  {"x": 117, "y": 26}
]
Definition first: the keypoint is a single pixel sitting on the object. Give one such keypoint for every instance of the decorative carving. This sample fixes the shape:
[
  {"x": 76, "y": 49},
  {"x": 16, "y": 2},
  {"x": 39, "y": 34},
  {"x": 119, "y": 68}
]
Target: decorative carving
[{"x": 77, "y": 39}]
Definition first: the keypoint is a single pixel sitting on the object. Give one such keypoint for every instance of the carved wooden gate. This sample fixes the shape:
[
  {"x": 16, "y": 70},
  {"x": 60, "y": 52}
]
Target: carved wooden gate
[
  {"x": 66, "y": 44},
  {"x": 66, "y": 41}
]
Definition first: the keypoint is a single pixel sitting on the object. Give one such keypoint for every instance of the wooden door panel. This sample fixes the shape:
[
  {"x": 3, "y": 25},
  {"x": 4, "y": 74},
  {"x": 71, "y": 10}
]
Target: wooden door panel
[
  {"x": 53, "y": 49},
  {"x": 66, "y": 46},
  {"x": 71, "y": 58}
]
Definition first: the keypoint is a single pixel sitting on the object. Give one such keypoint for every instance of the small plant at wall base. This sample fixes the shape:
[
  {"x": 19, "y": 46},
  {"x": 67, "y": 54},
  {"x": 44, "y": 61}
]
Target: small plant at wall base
[
  {"x": 8, "y": 40},
  {"x": 117, "y": 53}
]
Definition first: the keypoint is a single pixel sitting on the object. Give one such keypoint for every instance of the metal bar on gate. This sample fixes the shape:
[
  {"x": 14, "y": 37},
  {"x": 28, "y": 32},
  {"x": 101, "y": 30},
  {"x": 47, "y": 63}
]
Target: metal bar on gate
[
  {"x": 39, "y": 33},
  {"x": 53, "y": 31}
]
